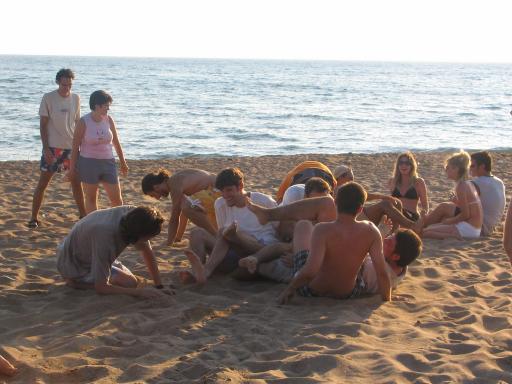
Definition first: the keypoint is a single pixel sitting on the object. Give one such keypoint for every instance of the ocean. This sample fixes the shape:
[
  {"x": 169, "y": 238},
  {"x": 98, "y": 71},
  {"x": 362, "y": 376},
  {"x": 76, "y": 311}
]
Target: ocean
[{"x": 167, "y": 108}]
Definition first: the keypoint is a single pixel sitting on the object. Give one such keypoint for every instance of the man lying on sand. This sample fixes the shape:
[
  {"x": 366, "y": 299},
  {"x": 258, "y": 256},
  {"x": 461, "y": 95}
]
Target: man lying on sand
[
  {"x": 87, "y": 258},
  {"x": 238, "y": 227},
  {"x": 331, "y": 254},
  {"x": 192, "y": 195}
]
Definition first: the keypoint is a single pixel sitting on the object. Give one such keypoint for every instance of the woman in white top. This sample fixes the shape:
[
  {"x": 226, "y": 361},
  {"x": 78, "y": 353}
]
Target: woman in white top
[{"x": 468, "y": 219}]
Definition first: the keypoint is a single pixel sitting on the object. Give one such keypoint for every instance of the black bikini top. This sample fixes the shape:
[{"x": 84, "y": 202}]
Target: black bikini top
[{"x": 410, "y": 194}]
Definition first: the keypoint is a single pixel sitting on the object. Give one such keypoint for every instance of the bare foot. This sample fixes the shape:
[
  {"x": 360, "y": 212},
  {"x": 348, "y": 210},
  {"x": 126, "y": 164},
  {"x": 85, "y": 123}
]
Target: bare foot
[
  {"x": 260, "y": 212},
  {"x": 249, "y": 262},
  {"x": 6, "y": 368},
  {"x": 230, "y": 232},
  {"x": 197, "y": 267}
]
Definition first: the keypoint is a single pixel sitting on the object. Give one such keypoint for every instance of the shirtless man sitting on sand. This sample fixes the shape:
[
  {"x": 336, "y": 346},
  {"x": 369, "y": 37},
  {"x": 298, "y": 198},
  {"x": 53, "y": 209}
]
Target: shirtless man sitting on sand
[
  {"x": 329, "y": 264},
  {"x": 192, "y": 195}
]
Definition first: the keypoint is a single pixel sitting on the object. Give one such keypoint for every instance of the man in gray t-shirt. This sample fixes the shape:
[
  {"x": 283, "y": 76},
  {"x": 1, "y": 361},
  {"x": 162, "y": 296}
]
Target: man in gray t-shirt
[
  {"x": 87, "y": 258},
  {"x": 491, "y": 190}
]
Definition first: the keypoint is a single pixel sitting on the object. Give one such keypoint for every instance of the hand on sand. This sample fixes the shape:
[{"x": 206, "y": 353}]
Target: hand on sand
[
  {"x": 6, "y": 368},
  {"x": 249, "y": 262},
  {"x": 257, "y": 210},
  {"x": 198, "y": 272},
  {"x": 286, "y": 296},
  {"x": 150, "y": 293}
]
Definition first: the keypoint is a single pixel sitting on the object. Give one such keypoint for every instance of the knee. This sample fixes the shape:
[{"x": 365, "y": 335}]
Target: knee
[{"x": 196, "y": 234}]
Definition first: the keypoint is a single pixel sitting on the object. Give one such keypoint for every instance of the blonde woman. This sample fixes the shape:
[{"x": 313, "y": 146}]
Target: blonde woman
[
  {"x": 408, "y": 187},
  {"x": 467, "y": 216}
]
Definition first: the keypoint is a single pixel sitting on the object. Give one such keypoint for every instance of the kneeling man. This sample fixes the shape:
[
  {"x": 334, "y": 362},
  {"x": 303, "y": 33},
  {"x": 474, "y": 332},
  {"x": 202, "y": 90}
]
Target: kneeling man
[
  {"x": 330, "y": 265},
  {"x": 87, "y": 258}
]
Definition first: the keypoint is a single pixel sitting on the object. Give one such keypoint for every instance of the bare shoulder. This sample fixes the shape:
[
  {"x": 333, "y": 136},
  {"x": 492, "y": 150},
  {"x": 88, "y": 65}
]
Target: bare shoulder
[
  {"x": 419, "y": 182},
  {"x": 368, "y": 227}
]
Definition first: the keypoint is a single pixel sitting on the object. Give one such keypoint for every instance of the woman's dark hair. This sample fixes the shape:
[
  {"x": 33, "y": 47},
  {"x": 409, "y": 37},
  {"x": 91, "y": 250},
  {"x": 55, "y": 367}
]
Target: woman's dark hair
[
  {"x": 64, "y": 72},
  {"x": 350, "y": 198},
  {"x": 140, "y": 222},
  {"x": 154, "y": 178},
  {"x": 408, "y": 246},
  {"x": 229, "y": 177},
  {"x": 99, "y": 98}
]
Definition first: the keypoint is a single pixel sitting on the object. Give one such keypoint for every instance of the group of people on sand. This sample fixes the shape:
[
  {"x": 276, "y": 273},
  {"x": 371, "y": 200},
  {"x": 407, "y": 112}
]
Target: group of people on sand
[{"x": 319, "y": 236}]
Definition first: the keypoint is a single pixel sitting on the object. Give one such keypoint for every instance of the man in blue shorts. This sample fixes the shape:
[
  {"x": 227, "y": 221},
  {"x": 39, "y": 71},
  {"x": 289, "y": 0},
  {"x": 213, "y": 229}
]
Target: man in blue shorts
[{"x": 58, "y": 113}]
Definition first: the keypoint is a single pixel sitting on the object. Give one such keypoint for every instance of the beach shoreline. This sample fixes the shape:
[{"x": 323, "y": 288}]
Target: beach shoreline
[{"x": 450, "y": 322}]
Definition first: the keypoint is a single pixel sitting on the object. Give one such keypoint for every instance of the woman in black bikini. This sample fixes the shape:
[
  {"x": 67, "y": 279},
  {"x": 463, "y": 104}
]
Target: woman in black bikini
[{"x": 408, "y": 187}]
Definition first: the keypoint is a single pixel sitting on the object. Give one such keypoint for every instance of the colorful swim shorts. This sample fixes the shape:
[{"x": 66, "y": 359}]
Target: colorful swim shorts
[{"x": 62, "y": 158}]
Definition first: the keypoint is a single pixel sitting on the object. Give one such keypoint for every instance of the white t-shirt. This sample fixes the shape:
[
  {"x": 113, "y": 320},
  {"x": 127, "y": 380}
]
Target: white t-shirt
[
  {"x": 492, "y": 196},
  {"x": 247, "y": 221},
  {"x": 370, "y": 276},
  {"x": 62, "y": 113},
  {"x": 293, "y": 194}
]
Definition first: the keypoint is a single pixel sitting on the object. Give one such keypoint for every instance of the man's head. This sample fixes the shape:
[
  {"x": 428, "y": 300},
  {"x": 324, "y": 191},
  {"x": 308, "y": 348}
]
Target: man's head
[
  {"x": 154, "y": 184},
  {"x": 64, "y": 79},
  {"x": 316, "y": 187},
  {"x": 343, "y": 174},
  {"x": 481, "y": 164},
  {"x": 141, "y": 224},
  {"x": 403, "y": 247},
  {"x": 230, "y": 182},
  {"x": 350, "y": 198}
]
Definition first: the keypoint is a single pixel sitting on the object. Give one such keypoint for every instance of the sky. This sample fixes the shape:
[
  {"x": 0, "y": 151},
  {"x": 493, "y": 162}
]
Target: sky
[{"x": 376, "y": 30}]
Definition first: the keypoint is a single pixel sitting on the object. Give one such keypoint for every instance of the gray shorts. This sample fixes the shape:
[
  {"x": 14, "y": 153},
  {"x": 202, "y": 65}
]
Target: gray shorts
[
  {"x": 117, "y": 267},
  {"x": 92, "y": 171}
]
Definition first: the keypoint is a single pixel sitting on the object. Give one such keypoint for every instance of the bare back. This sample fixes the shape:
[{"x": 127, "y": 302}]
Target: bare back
[
  {"x": 190, "y": 181},
  {"x": 346, "y": 246}
]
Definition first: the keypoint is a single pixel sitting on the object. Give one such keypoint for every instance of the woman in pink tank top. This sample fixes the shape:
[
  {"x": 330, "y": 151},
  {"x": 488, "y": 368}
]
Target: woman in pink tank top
[{"x": 92, "y": 156}]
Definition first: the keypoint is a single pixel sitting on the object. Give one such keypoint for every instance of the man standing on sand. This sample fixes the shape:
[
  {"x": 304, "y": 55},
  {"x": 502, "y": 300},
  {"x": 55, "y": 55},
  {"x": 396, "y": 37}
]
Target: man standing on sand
[
  {"x": 490, "y": 188},
  {"x": 87, "y": 257},
  {"x": 192, "y": 195},
  {"x": 329, "y": 262},
  {"x": 58, "y": 114}
]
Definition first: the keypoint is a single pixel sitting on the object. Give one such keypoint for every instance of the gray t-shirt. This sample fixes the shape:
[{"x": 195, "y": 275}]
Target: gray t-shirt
[
  {"x": 492, "y": 196},
  {"x": 93, "y": 244}
]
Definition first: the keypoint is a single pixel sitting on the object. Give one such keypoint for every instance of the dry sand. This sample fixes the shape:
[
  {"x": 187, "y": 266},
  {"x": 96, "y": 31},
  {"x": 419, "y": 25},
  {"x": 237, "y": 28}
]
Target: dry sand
[{"x": 451, "y": 323}]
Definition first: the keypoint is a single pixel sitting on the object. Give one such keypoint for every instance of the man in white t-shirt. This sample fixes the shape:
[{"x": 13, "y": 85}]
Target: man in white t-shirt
[
  {"x": 491, "y": 190},
  {"x": 58, "y": 113},
  {"x": 239, "y": 228}
]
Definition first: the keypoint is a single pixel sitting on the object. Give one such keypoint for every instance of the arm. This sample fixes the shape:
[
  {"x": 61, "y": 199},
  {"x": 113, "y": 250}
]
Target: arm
[
  {"x": 461, "y": 192},
  {"x": 421, "y": 187},
  {"x": 149, "y": 259},
  {"x": 177, "y": 198},
  {"x": 376, "y": 253},
  {"x": 507, "y": 233},
  {"x": 312, "y": 266},
  {"x": 117, "y": 146},
  {"x": 77, "y": 140}
]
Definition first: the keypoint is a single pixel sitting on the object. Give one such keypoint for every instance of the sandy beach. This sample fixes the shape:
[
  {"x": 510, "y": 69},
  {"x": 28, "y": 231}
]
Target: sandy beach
[{"x": 450, "y": 322}]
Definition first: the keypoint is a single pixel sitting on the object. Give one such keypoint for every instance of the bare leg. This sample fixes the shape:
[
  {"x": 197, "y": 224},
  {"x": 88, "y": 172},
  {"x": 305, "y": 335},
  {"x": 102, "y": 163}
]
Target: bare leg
[
  {"x": 199, "y": 218},
  {"x": 78, "y": 194},
  {"x": 201, "y": 242},
  {"x": 441, "y": 212},
  {"x": 42, "y": 184},
  {"x": 317, "y": 209},
  {"x": 265, "y": 254},
  {"x": 248, "y": 243},
  {"x": 181, "y": 228},
  {"x": 91, "y": 197},
  {"x": 376, "y": 211},
  {"x": 441, "y": 231},
  {"x": 218, "y": 254},
  {"x": 114, "y": 194},
  {"x": 123, "y": 278},
  {"x": 6, "y": 368},
  {"x": 198, "y": 269},
  {"x": 302, "y": 236}
]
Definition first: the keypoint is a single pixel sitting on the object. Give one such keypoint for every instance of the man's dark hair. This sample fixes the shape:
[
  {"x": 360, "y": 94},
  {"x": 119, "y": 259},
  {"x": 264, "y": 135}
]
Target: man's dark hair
[
  {"x": 141, "y": 222},
  {"x": 99, "y": 98},
  {"x": 408, "y": 246},
  {"x": 229, "y": 177},
  {"x": 484, "y": 158},
  {"x": 316, "y": 184},
  {"x": 154, "y": 178},
  {"x": 350, "y": 198},
  {"x": 64, "y": 72}
]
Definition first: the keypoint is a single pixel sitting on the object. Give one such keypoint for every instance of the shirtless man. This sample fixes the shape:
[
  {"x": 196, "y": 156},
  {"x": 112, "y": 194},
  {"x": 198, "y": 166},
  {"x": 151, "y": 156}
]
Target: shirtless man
[
  {"x": 329, "y": 261},
  {"x": 192, "y": 194}
]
